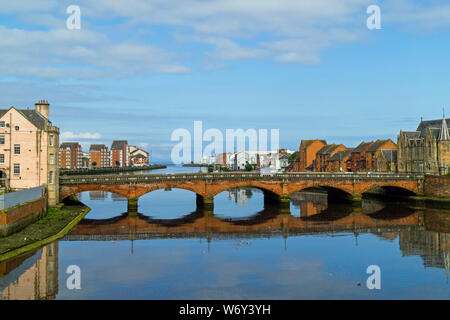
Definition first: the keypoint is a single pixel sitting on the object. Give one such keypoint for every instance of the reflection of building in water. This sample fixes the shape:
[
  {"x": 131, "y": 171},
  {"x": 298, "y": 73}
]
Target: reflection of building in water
[
  {"x": 116, "y": 197},
  {"x": 31, "y": 277},
  {"x": 432, "y": 246},
  {"x": 241, "y": 195},
  {"x": 390, "y": 236},
  {"x": 98, "y": 195},
  {"x": 310, "y": 203}
]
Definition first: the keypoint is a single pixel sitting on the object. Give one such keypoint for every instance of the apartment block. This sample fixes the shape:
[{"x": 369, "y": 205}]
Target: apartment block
[
  {"x": 70, "y": 155},
  {"x": 99, "y": 156},
  {"x": 119, "y": 153}
]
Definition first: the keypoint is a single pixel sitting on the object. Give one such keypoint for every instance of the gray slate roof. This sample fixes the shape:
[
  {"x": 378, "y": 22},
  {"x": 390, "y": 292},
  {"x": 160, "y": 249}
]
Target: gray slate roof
[
  {"x": 341, "y": 155},
  {"x": 374, "y": 147},
  {"x": 327, "y": 149},
  {"x": 361, "y": 147},
  {"x": 33, "y": 116},
  {"x": 65, "y": 145},
  {"x": 119, "y": 144},
  {"x": 97, "y": 147},
  {"x": 434, "y": 126}
]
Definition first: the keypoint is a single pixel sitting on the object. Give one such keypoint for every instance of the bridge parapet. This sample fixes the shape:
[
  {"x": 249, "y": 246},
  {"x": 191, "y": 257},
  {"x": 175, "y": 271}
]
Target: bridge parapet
[{"x": 233, "y": 176}]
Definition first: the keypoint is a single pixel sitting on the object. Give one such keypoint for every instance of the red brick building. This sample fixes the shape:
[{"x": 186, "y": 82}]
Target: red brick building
[
  {"x": 374, "y": 150},
  {"x": 340, "y": 161},
  {"x": 70, "y": 155},
  {"x": 322, "y": 156},
  {"x": 120, "y": 156},
  {"x": 307, "y": 154},
  {"x": 99, "y": 156},
  {"x": 358, "y": 157}
]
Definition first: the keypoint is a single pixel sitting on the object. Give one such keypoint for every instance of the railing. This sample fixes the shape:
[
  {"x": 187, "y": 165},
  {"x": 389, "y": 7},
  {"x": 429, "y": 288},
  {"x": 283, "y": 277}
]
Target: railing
[
  {"x": 12, "y": 199},
  {"x": 150, "y": 178}
]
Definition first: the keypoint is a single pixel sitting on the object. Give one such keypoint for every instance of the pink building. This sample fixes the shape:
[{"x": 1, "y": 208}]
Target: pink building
[{"x": 29, "y": 149}]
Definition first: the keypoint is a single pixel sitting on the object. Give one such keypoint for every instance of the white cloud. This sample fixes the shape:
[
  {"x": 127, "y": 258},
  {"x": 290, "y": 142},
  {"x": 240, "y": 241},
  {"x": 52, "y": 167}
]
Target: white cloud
[
  {"x": 290, "y": 31},
  {"x": 143, "y": 145},
  {"x": 417, "y": 15},
  {"x": 86, "y": 135},
  {"x": 79, "y": 54}
]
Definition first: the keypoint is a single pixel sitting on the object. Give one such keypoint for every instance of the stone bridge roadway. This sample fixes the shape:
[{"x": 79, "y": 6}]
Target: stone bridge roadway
[{"x": 275, "y": 186}]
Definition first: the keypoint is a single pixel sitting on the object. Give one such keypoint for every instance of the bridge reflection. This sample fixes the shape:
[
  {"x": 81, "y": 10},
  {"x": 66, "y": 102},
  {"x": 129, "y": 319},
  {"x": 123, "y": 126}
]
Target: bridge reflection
[
  {"x": 271, "y": 220},
  {"x": 423, "y": 234}
]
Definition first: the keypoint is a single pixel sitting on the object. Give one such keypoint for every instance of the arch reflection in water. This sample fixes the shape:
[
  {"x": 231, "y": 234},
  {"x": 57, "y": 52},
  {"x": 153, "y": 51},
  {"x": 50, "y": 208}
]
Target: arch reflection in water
[
  {"x": 423, "y": 233},
  {"x": 272, "y": 219}
]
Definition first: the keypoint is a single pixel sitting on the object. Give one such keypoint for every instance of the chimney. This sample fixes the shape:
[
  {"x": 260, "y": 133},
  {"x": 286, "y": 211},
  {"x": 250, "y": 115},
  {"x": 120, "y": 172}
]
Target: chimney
[{"x": 43, "y": 108}]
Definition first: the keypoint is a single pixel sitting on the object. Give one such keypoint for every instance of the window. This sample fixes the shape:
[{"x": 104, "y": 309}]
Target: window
[
  {"x": 2, "y": 139},
  {"x": 51, "y": 140},
  {"x": 2, "y": 124},
  {"x": 17, "y": 149},
  {"x": 2, "y": 158},
  {"x": 17, "y": 128},
  {"x": 50, "y": 177},
  {"x": 16, "y": 168},
  {"x": 51, "y": 159}
]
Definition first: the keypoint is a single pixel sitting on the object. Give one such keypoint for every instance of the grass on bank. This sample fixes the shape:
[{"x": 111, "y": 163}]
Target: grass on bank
[{"x": 54, "y": 221}]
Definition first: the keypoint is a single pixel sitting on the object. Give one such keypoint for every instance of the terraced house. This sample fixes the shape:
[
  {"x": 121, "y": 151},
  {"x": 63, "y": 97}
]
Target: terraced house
[
  {"x": 29, "y": 149},
  {"x": 427, "y": 149},
  {"x": 324, "y": 154}
]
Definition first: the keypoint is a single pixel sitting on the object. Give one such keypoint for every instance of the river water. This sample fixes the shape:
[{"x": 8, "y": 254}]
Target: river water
[{"x": 244, "y": 250}]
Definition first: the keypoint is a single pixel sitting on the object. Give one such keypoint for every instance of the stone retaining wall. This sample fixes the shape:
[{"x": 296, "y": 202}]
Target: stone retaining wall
[
  {"x": 18, "y": 217},
  {"x": 437, "y": 186}
]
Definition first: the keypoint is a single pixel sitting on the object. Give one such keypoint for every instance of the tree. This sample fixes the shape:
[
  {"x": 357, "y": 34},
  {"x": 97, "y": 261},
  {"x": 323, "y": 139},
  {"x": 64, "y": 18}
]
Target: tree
[
  {"x": 292, "y": 156},
  {"x": 94, "y": 164},
  {"x": 248, "y": 166}
]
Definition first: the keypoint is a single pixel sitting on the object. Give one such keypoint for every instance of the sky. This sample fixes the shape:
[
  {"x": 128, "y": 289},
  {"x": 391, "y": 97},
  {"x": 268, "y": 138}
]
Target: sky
[{"x": 139, "y": 69}]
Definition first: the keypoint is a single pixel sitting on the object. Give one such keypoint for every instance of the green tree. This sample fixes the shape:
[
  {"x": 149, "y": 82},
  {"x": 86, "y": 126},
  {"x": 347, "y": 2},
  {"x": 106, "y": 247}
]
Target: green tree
[
  {"x": 248, "y": 166},
  {"x": 292, "y": 156}
]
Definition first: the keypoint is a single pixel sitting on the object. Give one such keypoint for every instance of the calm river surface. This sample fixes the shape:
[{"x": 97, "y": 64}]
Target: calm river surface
[{"x": 245, "y": 250}]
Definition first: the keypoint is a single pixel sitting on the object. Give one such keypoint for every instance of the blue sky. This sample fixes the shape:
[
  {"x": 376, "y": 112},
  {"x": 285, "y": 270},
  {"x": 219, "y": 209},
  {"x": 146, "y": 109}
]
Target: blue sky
[{"x": 138, "y": 70}]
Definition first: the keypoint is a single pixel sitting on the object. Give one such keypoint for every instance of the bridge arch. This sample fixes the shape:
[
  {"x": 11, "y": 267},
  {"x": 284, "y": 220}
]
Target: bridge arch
[
  {"x": 390, "y": 189},
  {"x": 270, "y": 188},
  {"x": 333, "y": 192},
  {"x": 150, "y": 188},
  {"x": 67, "y": 191}
]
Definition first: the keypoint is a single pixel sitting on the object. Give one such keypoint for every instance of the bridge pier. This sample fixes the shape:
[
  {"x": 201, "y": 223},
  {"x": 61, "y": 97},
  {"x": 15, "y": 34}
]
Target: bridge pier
[
  {"x": 283, "y": 201},
  {"x": 205, "y": 203},
  {"x": 356, "y": 198},
  {"x": 132, "y": 206}
]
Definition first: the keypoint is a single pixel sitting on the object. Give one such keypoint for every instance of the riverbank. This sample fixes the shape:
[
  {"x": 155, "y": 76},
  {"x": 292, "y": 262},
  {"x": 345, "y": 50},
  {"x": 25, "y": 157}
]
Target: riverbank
[
  {"x": 110, "y": 170},
  {"x": 428, "y": 202},
  {"x": 195, "y": 165},
  {"x": 56, "y": 224}
]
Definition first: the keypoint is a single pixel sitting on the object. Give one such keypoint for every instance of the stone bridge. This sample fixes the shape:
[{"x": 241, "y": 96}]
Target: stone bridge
[{"x": 277, "y": 187}]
